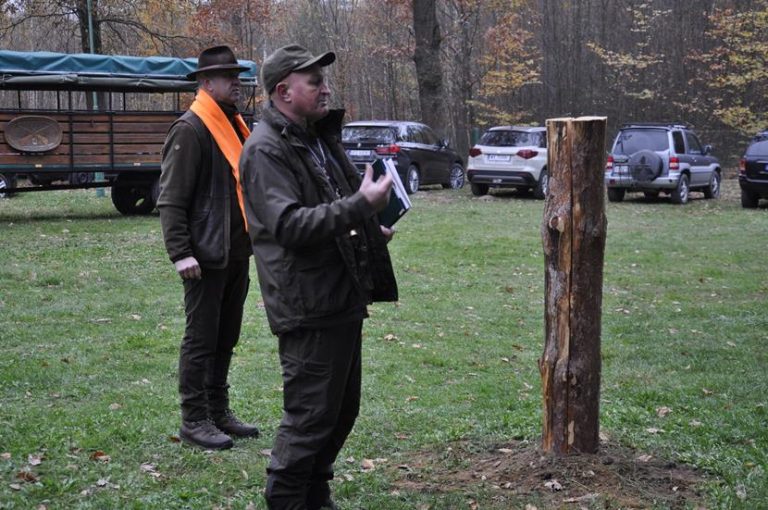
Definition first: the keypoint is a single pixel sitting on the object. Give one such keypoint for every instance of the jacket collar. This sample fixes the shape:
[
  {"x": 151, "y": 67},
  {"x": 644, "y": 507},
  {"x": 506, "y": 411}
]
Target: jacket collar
[{"x": 328, "y": 128}]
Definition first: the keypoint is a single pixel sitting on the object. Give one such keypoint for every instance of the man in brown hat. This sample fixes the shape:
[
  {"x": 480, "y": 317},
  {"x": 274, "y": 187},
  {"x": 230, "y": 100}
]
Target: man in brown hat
[
  {"x": 321, "y": 257},
  {"x": 204, "y": 228}
]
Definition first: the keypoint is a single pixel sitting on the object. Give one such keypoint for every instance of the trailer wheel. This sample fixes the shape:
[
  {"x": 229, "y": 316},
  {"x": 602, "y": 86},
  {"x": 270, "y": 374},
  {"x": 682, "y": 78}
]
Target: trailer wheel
[
  {"x": 81, "y": 178},
  {"x": 6, "y": 181},
  {"x": 133, "y": 197}
]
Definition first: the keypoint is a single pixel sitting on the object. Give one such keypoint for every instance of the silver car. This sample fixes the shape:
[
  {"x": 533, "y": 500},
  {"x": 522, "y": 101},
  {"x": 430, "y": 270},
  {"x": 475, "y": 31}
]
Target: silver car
[{"x": 661, "y": 158}]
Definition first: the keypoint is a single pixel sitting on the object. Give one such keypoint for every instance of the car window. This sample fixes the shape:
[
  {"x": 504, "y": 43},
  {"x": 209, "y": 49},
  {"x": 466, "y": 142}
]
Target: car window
[
  {"x": 429, "y": 136},
  {"x": 758, "y": 148},
  {"x": 375, "y": 134},
  {"x": 414, "y": 134},
  {"x": 630, "y": 141},
  {"x": 677, "y": 138},
  {"x": 509, "y": 138},
  {"x": 694, "y": 147}
]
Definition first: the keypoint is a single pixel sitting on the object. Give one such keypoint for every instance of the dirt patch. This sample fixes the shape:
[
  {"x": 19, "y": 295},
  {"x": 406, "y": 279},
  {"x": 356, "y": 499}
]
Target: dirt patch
[{"x": 518, "y": 475}]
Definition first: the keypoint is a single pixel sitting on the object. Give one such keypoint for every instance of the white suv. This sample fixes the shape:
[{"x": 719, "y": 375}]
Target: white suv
[{"x": 510, "y": 157}]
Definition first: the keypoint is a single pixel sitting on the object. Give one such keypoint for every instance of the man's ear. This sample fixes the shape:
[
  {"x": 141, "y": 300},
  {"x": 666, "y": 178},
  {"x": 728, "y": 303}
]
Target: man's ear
[{"x": 283, "y": 91}]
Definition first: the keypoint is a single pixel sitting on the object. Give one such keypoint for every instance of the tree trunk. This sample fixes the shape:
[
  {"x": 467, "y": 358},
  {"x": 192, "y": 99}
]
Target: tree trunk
[
  {"x": 573, "y": 234},
  {"x": 429, "y": 72}
]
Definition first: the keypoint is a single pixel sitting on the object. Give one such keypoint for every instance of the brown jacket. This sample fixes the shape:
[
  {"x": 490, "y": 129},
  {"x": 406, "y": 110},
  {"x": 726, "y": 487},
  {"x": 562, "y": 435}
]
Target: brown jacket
[{"x": 195, "y": 195}]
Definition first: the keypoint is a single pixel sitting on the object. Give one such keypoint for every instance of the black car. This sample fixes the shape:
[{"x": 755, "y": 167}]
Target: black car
[
  {"x": 421, "y": 157},
  {"x": 753, "y": 171}
]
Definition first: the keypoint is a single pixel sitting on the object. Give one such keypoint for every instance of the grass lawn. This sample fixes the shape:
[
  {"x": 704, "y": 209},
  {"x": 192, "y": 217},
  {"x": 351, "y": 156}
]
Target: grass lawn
[{"x": 91, "y": 316}]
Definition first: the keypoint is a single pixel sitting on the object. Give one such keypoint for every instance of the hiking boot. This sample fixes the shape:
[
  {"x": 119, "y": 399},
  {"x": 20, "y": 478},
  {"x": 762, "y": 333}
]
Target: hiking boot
[
  {"x": 204, "y": 433},
  {"x": 228, "y": 422}
]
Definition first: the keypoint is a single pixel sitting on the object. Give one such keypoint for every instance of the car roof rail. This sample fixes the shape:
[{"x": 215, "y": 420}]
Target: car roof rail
[{"x": 681, "y": 125}]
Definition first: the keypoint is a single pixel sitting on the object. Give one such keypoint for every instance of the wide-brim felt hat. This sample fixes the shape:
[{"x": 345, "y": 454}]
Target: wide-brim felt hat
[
  {"x": 218, "y": 58},
  {"x": 288, "y": 59}
]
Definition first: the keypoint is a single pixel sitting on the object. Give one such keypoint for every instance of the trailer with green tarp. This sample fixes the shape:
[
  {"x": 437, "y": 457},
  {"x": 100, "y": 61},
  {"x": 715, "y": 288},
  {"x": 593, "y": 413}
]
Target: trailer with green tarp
[{"x": 67, "y": 118}]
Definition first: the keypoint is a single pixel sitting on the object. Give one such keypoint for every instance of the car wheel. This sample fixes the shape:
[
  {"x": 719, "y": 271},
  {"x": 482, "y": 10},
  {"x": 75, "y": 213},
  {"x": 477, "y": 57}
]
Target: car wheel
[
  {"x": 479, "y": 189},
  {"x": 680, "y": 194},
  {"x": 616, "y": 194},
  {"x": 713, "y": 190},
  {"x": 412, "y": 180},
  {"x": 645, "y": 165},
  {"x": 542, "y": 187},
  {"x": 749, "y": 200},
  {"x": 456, "y": 177},
  {"x": 6, "y": 181}
]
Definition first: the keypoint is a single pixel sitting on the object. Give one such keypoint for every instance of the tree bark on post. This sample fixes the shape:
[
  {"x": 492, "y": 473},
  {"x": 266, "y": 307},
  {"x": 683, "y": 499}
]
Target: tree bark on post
[{"x": 573, "y": 234}]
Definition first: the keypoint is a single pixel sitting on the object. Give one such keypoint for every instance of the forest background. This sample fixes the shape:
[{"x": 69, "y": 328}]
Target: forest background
[{"x": 487, "y": 62}]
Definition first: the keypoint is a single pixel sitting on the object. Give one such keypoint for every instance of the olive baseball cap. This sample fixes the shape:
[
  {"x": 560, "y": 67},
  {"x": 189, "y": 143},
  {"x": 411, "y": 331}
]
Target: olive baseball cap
[{"x": 283, "y": 61}]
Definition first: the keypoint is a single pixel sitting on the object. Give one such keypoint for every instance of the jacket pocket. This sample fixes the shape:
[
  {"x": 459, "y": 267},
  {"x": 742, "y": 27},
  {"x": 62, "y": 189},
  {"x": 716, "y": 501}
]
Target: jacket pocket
[
  {"x": 324, "y": 283},
  {"x": 207, "y": 237}
]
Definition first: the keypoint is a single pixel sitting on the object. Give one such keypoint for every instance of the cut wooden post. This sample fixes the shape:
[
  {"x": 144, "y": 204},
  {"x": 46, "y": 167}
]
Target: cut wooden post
[{"x": 573, "y": 234}]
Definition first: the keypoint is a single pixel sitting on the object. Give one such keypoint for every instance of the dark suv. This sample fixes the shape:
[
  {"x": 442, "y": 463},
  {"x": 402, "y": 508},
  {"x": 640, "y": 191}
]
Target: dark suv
[
  {"x": 661, "y": 158},
  {"x": 421, "y": 157},
  {"x": 753, "y": 171}
]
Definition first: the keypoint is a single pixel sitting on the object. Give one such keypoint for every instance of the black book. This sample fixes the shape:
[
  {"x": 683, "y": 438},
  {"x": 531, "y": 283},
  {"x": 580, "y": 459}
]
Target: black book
[{"x": 399, "y": 203}]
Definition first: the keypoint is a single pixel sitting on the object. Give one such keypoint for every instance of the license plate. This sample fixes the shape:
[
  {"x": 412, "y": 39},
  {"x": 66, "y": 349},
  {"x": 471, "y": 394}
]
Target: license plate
[
  {"x": 497, "y": 158},
  {"x": 354, "y": 153},
  {"x": 622, "y": 169},
  {"x": 496, "y": 181}
]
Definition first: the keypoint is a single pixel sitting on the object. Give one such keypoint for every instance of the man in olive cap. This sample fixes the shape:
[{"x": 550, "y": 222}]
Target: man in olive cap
[
  {"x": 321, "y": 257},
  {"x": 204, "y": 228}
]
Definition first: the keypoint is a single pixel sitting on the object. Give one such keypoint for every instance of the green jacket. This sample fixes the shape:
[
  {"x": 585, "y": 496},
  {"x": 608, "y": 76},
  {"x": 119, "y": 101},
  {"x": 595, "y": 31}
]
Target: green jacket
[
  {"x": 311, "y": 267},
  {"x": 195, "y": 195}
]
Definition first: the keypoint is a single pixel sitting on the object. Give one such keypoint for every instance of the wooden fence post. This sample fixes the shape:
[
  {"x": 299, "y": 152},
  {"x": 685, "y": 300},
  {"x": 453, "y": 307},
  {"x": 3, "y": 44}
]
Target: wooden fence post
[{"x": 573, "y": 235}]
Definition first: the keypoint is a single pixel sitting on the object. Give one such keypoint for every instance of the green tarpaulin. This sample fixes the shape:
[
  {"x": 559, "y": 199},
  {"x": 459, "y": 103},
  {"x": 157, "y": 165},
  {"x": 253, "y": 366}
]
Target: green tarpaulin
[{"x": 21, "y": 70}]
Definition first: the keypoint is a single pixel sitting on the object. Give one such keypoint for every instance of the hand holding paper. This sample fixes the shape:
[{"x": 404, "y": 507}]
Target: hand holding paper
[{"x": 376, "y": 192}]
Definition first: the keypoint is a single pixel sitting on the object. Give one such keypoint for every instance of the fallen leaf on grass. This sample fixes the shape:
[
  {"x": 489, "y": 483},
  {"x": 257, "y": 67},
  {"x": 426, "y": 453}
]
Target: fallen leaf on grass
[
  {"x": 411, "y": 398},
  {"x": 586, "y": 497},
  {"x": 553, "y": 485},
  {"x": 151, "y": 470},
  {"x": 695, "y": 423},
  {"x": 15, "y": 486},
  {"x": 730, "y": 344},
  {"x": 707, "y": 392},
  {"x": 654, "y": 430},
  {"x": 27, "y": 476},
  {"x": 389, "y": 337},
  {"x": 34, "y": 460},
  {"x": 102, "y": 482},
  {"x": 100, "y": 456},
  {"x": 663, "y": 411},
  {"x": 505, "y": 450},
  {"x": 136, "y": 316},
  {"x": 473, "y": 505},
  {"x": 114, "y": 406},
  {"x": 401, "y": 436},
  {"x": 741, "y": 492},
  {"x": 531, "y": 507},
  {"x": 5, "y": 456},
  {"x": 367, "y": 465},
  {"x": 174, "y": 438},
  {"x": 405, "y": 467},
  {"x": 266, "y": 453},
  {"x": 644, "y": 458}
]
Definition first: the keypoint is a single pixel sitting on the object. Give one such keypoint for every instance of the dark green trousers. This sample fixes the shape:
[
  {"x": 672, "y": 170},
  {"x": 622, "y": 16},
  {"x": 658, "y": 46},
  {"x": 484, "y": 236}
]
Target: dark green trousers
[
  {"x": 321, "y": 400},
  {"x": 214, "y": 308}
]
